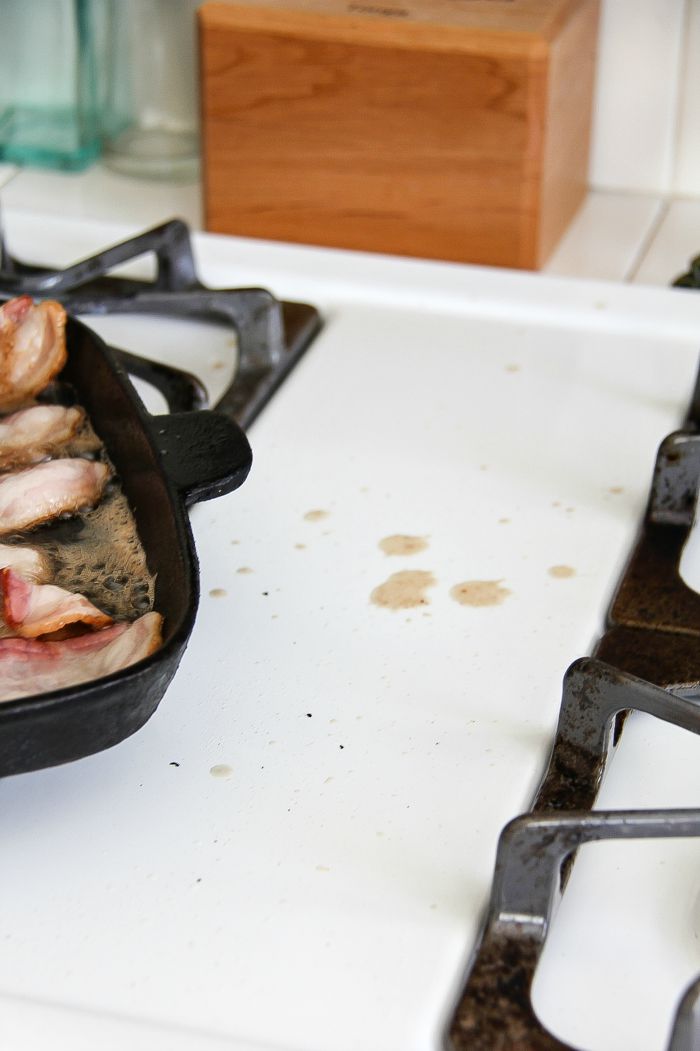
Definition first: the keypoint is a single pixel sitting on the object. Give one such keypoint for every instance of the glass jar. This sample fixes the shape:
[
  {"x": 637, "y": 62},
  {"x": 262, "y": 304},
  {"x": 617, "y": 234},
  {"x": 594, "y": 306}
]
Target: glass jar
[
  {"x": 151, "y": 113},
  {"x": 50, "y": 82}
]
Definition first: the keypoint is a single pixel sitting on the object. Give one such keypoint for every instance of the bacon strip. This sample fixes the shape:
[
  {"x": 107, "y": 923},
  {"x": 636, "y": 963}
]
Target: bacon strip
[
  {"x": 48, "y": 490},
  {"x": 31, "y": 434},
  {"x": 25, "y": 560},
  {"x": 32, "y": 348},
  {"x": 31, "y": 666},
  {"x": 30, "y": 610}
]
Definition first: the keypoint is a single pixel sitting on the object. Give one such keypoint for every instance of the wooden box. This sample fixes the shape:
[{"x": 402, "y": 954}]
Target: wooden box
[{"x": 449, "y": 129}]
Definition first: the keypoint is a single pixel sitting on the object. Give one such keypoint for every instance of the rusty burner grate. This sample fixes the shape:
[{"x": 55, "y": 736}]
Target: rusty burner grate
[
  {"x": 272, "y": 334},
  {"x": 648, "y": 660}
]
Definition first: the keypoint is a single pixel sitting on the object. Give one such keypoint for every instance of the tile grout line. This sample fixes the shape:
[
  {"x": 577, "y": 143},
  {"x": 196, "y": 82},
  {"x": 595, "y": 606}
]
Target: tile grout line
[{"x": 648, "y": 239}]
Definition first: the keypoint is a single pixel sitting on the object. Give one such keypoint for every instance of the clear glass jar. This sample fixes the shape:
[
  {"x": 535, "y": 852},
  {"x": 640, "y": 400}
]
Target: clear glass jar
[{"x": 151, "y": 113}]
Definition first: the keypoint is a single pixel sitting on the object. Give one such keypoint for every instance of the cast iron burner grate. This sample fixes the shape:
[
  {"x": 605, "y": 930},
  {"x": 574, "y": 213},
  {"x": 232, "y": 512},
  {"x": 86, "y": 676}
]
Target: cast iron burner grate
[
  {"x": 647, "y": 660},
  {"x": 272, "y": 334}
]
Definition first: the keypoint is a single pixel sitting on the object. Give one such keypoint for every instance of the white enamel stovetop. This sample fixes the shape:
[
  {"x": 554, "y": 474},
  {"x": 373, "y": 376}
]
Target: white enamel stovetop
[{"x": 311, "y": 875}]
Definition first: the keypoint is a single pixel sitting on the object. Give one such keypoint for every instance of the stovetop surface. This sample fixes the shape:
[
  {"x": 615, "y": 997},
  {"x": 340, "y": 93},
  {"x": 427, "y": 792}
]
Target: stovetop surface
[{"x": 295, "y": 851}]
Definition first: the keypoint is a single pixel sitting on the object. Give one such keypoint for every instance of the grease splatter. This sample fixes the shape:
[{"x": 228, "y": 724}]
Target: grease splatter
[
  {"x": 479, "y": 593},
  {"x": 513, "y": 368},
  {"x": 561, "y": 572},
  {"x": 218, "y": 592},
  {"x": 404, "y": 590},
  {"x": 221, "y": 770},
  {"x": 616, "y": 490},
  {"x": 244, "y": 569},
  {"x": 315, "y": 516},
  {"x": 402, "y": 544}
]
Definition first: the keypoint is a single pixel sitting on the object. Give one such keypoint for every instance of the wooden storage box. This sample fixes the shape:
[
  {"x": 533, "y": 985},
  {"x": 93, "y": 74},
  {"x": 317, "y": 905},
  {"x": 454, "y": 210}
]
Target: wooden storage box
[{"x": 449, "y": 129}]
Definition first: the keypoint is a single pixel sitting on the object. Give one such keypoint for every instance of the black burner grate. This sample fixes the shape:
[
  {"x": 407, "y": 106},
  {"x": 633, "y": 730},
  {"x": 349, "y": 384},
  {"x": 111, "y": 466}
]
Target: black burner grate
[{"x": 272, "y": 334}]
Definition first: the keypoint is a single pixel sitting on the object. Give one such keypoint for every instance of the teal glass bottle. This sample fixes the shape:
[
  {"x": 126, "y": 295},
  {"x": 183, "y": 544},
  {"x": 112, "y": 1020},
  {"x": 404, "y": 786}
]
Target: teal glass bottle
[{"x": 51, "y": 95}]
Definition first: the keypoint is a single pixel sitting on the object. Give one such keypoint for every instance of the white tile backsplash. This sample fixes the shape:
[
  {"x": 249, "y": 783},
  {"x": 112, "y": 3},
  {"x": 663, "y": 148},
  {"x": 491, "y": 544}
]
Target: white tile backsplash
[
  {"x": 687, "y": 172},
  {"x": 640, "y": 60}
]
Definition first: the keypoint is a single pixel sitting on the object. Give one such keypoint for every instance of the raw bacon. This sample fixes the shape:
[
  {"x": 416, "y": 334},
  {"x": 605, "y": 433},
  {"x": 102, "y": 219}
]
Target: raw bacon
[
  {"x": 32, "y": 434},
  {"x": 31, "y": 666},
  {"x": 48, "y": 490},
  {"x": 28, "y": 561},
  {"x": 30, "y": 610},
  {"x": 32, "y": 348}
]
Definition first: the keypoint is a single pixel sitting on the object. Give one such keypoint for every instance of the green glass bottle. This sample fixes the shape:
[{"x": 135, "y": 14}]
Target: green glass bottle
[{"x": 51, "y": 95}]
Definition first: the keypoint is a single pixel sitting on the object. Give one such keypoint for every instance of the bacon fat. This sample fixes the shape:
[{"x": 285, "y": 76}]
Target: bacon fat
[
  {"x": 30, "y": 610},
  {"x": 33, "y": 666},
  {"x": 48, "y": 490},
  {"x": 31, "y": 434},
  {"x": 32, "y": 348}
]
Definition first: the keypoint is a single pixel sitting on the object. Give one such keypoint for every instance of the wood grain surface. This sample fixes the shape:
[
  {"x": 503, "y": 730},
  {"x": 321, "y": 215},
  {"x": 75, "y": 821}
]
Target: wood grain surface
[{"x": 415, "y": 134}]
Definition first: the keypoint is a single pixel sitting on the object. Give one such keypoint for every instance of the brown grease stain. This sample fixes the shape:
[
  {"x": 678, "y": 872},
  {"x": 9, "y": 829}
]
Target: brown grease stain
[
  {"x": 402, "y": 544},
  {"x": 404, "y": 590},
  {"x": 218, "y": 592},
  {"x": 616, "y": 490},
  {"x": 479, "y": 593},
  {"x": 244, "y": 569},
  {"x": 315, "y": 516},
  {"x": 561, "y": 572},
  {"x": 221, "y": 770}
]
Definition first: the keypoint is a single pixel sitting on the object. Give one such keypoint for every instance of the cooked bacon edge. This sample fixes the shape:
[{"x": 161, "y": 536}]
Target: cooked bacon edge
[
  {"x": 31, "y": 434},
  {"x": 39, "y": 609},
  {"x": 33, "y": 666},
  {"x": 33, "y": 566},
  {"x": 32, "y": 348},
  {"x": 48, "y": 490}
]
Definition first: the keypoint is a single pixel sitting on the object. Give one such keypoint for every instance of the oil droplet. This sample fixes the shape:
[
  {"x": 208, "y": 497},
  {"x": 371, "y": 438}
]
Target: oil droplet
[
  {"x": 561, "y": 572},
  {"x": 315, "y": 516},
  {"x": 300, "y": 547},
  {"x": 503, "y": 521},
  {"x": 479, "y": 593},
  {"x": 616, "y": 490},
  {"x": 513, "y": 368},
  {"x": 402, "y": 544},
  {"x": 404, "y": 590},
  {"x": 221, "y": 770},
  {"x": 218, "y": 592},
  {"x": 244, "y": 569}
]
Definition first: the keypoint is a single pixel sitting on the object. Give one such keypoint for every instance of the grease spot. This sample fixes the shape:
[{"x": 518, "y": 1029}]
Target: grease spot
[
  {"x": 300, "y": 547},
  {"x": 479, "y": 593},
  {"x": 616, "y": 490},
  {"x": 513, "y": 368},
  {"x": 315, "y": 516},
  {"x": 221, "y": 770},
  {"x": 503, "y": 521},
  {"x": 402, "y": 544},
  {"x": 322, "y": 868},
  {"x": 244, "y": 569},
  {"x": 218, "y": 592},
  {"x": 404, "y": 590},
  {"x": 561, "y": 572}
]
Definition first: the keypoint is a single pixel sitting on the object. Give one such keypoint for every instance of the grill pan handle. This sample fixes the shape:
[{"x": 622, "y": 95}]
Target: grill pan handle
[{"x": 205, "y": 454}]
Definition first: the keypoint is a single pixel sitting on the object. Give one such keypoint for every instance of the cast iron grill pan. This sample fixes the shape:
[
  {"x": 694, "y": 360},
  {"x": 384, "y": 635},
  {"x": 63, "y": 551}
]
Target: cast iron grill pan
[{"x": 164, "y": 463}]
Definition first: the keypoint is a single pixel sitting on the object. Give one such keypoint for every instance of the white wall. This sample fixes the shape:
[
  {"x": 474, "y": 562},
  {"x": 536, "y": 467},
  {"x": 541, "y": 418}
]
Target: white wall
[{"x": 646, "y": 128}]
